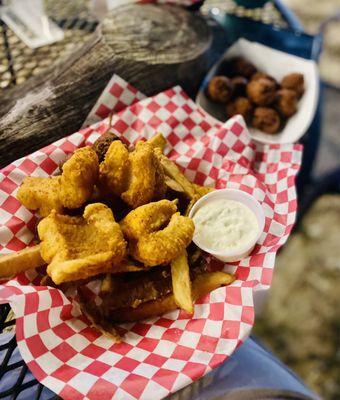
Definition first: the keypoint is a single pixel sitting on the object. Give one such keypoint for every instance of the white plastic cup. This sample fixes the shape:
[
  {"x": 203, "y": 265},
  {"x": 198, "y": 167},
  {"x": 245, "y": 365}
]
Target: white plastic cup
[{"x": 249, "y": 201}]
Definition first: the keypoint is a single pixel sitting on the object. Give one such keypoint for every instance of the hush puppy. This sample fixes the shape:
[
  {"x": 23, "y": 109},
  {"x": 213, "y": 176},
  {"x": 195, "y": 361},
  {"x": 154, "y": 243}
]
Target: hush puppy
[
  {"x": 102, "y": 144},
  {"x": 220, "y": 89},
  {"x": 286, "y": 102},
  {"x": 262, "y": 91},
  {"x": 241, "y": 66},
  {"x": 239, "y": 85},
  {"x": 260, "y": 75},
  {"x": 294, "y": 81},
  {"x": 266, "y": 119},
  {"x": 242, "y": 106}
]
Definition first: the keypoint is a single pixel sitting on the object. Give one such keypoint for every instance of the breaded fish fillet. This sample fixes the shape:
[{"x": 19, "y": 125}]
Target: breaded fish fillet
[
  {"x": 148, "y": 218},
  {"x": 161, "y": 247},
  {"x": 41, "y": 194},
  {"x": 136, "y": 176},
  {"x": 70, "y": 190},
  {"x": 80, "y": 247},
  {"x": 141, "y": 176},
  {"x": 80, "y": 173},
  {"x": 113, "y": 172}
]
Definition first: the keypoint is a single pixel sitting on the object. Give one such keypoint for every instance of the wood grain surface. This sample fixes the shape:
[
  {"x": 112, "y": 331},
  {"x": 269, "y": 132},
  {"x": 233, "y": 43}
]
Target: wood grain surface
[{"x": 152, "y": 47}]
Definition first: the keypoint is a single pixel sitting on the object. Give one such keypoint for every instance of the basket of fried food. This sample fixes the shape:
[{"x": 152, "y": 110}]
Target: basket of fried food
[{"x": 118, "y": 215}]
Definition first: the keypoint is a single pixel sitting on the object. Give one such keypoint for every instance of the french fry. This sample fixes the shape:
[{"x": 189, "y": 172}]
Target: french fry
[
  {"x": 158, "y": 141},
  {"x": 202, "y": 190},
  {"x": 191, "y": 204},
  {"x": 181, "y": 284},
  {"x": 173, "y": 185},
  {"x": 202, "y": 285},
  {"x": 209, "y": 281},
  {"x": 192, "y": 190},
  {"x": 14, "y": 263},
  {"x": 29, "y": 258},
  {"x": 173, "y": 172}
]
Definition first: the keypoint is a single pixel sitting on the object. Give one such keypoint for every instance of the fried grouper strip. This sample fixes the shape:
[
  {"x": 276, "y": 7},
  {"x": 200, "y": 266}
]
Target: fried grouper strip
[
  {"x": 136, "y": 176},
  {"x": 80, "y": 173},
  {"x": 160, "y": 247},
  {"x": 113, "y": 171},
  {"x": 41, "y": 194},
  {"x": 141, "y": 176},
  {"x": 70, "y": 190},
  {"x": 80, "y": 247},
  {"x": 147, "y": 218}
]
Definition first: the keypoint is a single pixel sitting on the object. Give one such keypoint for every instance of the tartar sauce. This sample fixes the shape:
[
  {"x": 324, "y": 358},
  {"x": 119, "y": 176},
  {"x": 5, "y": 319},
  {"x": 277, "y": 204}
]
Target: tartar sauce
[{"x": 225, "y": 224}]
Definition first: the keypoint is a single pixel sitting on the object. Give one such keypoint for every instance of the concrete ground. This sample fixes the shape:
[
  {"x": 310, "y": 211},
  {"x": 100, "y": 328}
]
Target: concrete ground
[
  {"x": 301, "y": 320},
  {"x": 328, "y": 156}
]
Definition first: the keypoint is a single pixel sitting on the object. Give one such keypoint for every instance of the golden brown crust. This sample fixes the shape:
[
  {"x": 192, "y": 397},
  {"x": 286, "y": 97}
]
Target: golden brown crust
[
  {"x": 161, "y": 247},
  {"x": 147, "y": 218},
  {"x": 294, "y": 81},
  {"x": 137, "y": 177},
  {"x": 287, "y": 102},
  {"x": 80, "y": 173},
  {"x": 77, "y": 248},
  {"x": 113, "y": 171},
  {"x": 41, "y": 194},
  {"x": 266, "y": 119},
  {"x": 242, "y": 106},
  {"x": 141, "y": 177},
  {"x": 80, "y": 247},
  {"x": 70, "y": 190}
]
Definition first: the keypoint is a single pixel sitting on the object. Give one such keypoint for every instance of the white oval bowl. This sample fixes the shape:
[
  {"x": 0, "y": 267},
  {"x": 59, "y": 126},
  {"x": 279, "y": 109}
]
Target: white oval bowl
[{"x": 278, "y": 64}]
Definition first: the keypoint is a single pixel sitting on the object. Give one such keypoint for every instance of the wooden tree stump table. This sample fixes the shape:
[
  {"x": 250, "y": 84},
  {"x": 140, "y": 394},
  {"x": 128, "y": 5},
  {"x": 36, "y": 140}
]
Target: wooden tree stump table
[{"x": 153, "y": 47}]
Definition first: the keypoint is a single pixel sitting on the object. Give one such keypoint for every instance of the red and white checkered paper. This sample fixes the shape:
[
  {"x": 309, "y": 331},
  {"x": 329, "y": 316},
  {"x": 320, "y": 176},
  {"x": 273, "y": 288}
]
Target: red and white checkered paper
[{"x": 160, "y": 355}]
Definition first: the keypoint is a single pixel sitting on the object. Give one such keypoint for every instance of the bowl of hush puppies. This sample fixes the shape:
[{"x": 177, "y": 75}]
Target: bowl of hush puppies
[{"x": 276, "y": 93}]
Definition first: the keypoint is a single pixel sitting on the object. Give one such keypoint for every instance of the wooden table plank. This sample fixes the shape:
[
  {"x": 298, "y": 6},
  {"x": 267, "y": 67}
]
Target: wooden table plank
[{"x": 152, "y": 47}]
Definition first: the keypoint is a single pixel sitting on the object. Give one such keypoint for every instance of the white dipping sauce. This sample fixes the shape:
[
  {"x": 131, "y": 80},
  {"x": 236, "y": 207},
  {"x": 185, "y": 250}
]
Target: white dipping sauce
[{"x": 225, "y": 225}]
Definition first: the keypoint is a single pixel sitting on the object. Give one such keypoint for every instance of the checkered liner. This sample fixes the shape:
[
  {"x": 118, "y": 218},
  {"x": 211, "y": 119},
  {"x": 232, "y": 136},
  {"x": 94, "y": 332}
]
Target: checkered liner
[{"x": 161, "y": 355}]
